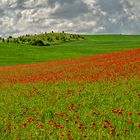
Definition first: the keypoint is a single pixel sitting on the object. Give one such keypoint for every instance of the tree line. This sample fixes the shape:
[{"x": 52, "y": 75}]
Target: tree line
[{"x": 44, "y": 39}]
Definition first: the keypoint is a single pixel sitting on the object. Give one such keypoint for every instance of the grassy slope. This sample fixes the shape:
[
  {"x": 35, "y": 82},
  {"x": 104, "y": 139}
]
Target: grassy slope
[
  {"x": 12, "y": 54},
  {"x": 56, "y": 38},
  {"x": 95, "y": 102}
]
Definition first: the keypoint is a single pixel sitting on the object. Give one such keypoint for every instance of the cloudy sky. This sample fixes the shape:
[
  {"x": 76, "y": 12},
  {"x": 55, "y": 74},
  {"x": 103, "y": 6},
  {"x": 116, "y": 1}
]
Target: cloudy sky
[{"x": 76, "y": 16}]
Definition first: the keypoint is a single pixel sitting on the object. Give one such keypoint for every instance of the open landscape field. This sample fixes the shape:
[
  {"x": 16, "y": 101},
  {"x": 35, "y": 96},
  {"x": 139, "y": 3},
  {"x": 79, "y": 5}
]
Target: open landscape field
[
  {"x": 82, "y": 89},
  {"x": 13, "y": 54}
]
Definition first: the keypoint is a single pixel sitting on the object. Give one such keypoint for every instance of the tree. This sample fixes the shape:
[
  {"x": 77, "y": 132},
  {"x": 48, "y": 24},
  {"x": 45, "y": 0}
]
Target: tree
[
  {"x": 47, "y": 44},
  {"x": 63, "y": 38},
  {"x": 15, "y": 40},
  {"x": 83, "y": 37},
  {"x": 28, "y": 39},
  {"x": 10, "y": 37},
  {"x": 8, "y": 40},
  {"x": 57, "y": 37}
]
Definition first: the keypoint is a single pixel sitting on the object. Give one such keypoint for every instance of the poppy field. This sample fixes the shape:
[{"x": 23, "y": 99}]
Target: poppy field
[{"x": 94, "y": 98}]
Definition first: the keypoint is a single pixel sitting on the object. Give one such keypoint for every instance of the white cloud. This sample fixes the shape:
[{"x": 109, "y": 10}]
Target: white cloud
[{"x": 86, "y": 16}]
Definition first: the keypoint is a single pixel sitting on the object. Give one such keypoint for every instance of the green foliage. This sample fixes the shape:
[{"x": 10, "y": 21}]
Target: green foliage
[
  {"x": 37, "y": 43},
  {"x": 46, "y": 38}
]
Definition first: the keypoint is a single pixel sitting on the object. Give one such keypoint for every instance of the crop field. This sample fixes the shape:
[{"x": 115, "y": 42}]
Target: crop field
[
  {"x": 95, "y": 97},
  {"x": 14, "y": 54}
]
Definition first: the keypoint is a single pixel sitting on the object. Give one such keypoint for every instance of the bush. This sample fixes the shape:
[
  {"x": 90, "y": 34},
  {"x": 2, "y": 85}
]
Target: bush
[
  {"x": 37, "y": 43},
  {"x": 50, "y": 39},
  {"x": 10, "y": 37},
  {"x": 8, "y": 40},
  {"x": 47, "y": 44}
]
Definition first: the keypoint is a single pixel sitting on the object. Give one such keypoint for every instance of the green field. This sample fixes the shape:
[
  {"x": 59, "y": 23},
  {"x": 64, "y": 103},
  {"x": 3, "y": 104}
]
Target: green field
[
  {"x": 13, "y": 54},
  {"x": 92, "y": 98},
  {"x": 70, "y": 111}
]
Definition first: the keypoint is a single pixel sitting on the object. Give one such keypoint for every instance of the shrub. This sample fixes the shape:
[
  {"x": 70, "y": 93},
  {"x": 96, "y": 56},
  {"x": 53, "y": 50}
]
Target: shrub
[
  {"x": 37, "y": 43},
  {"x": 10, "y": 37},
  {"x": 50, "y": 39},
  {"x": 57, "y": 37},
  {"x": 47, "y": 44},
  {"x": 8, "y": 40}
]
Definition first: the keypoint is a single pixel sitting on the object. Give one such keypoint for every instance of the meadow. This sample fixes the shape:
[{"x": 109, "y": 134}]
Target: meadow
[
  {"x": 13, "y": 54},
  {"x": 91, "y": 91}
]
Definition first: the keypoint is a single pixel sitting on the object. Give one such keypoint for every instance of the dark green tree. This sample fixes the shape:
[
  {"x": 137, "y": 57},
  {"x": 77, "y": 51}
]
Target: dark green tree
[
  {"x": 10, "y": 37},
  {"x": 8, "y": 40}
]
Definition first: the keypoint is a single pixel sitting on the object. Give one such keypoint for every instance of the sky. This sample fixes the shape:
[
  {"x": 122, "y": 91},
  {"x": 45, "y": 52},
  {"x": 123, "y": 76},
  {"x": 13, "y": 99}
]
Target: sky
[{"x": 18, "y": 17}]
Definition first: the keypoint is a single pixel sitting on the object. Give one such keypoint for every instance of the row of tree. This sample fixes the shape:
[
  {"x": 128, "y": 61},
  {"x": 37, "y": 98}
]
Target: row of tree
[{"x": 42, "y": 39}]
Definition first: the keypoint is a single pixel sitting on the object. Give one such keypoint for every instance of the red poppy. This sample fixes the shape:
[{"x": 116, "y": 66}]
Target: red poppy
[
  {"x": 30, "y": 118},
  {"x": 71, "y": 107},
  {"x": 94, "y": 124},
  {"x": 67, "y": 120},
  {"x": 76, "y": 121},
  {"x": 24, "y": 125},
  {"x": 93, "y": 112},
  {"x": 37, "y": 112},
  {"x": 84, "y": 136},
  {"x": 40, "y": 125},
  {"x": 62, "y": 135},
  {"x": 129, "y": 114},
  {"x": 138, "y": 125},
  {"x": 138, "y": 113},
  {"x": 130, "y": 122},
  {"x": 80, "y": 127},
  {"x": 67, "y": 114}
]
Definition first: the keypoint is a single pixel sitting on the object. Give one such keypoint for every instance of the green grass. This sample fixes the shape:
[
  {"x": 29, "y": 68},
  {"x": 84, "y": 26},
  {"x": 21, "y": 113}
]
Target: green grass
[
  {"x": 47, "y": 111},
  {"x": 13, "y": 54},
  {"x": 93, "y": 104}
]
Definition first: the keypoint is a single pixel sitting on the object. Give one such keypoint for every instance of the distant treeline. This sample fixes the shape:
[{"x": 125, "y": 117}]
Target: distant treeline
[{"x": 44, "y": 39}]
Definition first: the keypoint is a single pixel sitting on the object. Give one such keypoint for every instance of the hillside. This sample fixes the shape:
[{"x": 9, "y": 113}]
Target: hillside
[
  {"x": 45, "y": 39},
  {"x": 14, "y": 53}
]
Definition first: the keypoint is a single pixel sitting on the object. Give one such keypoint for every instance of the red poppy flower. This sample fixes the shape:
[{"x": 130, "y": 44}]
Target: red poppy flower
[
  {"x": 24, "y": 125},
  {"x": 62, "y": 135},
  {"x": 30, "y": 118},
  {"x": 129, "y": 114}
]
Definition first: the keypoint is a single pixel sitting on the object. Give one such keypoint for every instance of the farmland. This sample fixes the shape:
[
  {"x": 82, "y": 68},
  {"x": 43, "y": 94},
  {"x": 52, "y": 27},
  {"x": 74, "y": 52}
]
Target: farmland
[
  {"x": 87, "y": 89},
  {"x": 13, "y": 54}
]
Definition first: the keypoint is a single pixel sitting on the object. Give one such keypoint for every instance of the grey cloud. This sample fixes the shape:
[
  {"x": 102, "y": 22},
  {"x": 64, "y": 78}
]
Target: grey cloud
[
  {"x": 110, "y": 6},
  {"x": 71, "y": 10},
  {"x": 62, "y": 2},
  {"x": 81, "y": 16}
]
